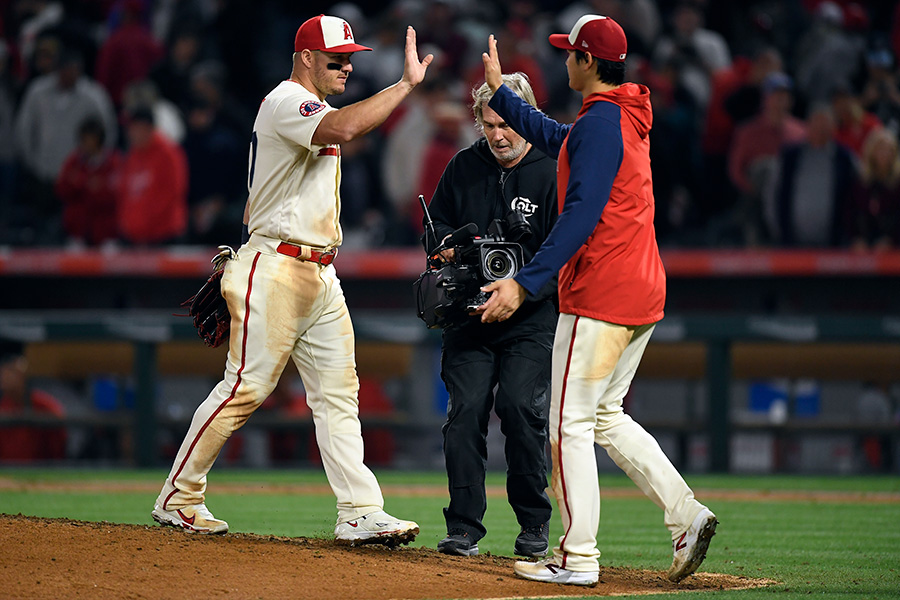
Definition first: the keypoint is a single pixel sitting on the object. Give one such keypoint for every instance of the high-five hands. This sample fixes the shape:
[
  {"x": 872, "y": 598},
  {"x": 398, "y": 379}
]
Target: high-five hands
[
  {"x": 491, "y": 60},
  {"x": 413, "y": 70}
]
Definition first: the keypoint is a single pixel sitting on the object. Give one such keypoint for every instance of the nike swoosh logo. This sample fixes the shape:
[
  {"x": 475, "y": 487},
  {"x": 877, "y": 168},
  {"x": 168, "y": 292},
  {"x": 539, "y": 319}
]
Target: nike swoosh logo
[
  {"x": 680, "y": 545},
  {"x": 186, "y": 520},
  {"x": 352, "y": 523}
]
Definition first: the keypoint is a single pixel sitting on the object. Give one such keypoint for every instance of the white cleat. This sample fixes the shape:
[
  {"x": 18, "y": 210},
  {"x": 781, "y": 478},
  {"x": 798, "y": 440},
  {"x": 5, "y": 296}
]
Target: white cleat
[
  {"x": 196, "y": 518},
  {"x": 690, "y": 549},
  {"x": 376, "y": 528},
  {"x": 548, "y": 571}
]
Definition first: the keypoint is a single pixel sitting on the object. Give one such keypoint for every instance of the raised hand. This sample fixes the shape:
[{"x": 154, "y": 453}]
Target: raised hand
[
  {"x": 491, "y": 60},
  {"x": 413, "y": 70}
]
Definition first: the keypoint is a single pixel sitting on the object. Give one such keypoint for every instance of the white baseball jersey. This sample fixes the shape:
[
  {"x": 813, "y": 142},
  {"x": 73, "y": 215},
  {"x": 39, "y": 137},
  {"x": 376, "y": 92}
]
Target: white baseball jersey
[
  {"x": 284, "y": 309},
  {"x": 294, "y": 184}
]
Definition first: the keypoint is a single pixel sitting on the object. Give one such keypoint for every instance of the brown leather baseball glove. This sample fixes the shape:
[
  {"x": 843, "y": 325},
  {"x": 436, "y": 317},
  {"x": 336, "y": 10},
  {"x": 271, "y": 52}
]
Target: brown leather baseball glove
[{"x": 208, "y": 308}]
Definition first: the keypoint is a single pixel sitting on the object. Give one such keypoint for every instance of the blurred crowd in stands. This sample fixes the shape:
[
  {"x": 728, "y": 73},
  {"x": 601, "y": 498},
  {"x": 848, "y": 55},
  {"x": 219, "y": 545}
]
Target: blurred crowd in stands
[{"x": 127, "y": 122}]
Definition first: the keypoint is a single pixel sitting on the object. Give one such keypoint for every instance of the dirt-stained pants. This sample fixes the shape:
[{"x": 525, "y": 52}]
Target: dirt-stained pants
[
  {"x": 593, "y": 365},
  {"x": 282, "y": 308}
]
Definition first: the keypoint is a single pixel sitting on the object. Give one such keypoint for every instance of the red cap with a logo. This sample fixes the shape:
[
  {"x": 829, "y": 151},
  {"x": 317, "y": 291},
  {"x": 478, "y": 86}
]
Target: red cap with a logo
[
  {"x": 329, "y": 34},
  {"x": 600, "y": 36}
]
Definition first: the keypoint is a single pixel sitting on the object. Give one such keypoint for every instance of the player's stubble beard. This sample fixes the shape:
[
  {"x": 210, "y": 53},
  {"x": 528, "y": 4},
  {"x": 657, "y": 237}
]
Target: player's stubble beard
[{"x": 327, "y": 79}]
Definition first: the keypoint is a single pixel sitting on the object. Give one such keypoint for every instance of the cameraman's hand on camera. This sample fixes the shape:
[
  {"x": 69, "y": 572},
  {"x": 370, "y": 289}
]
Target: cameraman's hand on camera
[
  {"x": 448, "y": 255},
  {"x": 506, "y": 297}
]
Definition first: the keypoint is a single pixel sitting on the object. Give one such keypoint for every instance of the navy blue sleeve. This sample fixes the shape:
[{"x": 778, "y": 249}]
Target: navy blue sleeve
[
  {"x": 595, "y": 152},
  {"x": 543, "y": 132}
]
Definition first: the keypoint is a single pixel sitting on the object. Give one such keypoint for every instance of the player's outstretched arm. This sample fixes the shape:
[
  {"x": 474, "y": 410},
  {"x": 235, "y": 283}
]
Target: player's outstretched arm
[{"x": 361, "y": 117}]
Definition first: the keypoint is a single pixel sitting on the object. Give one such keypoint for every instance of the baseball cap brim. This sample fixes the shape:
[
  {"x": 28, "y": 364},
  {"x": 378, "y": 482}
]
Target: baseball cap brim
[
  {"x": 561, "y": 40},
  {"x": 346, "y": 48}
]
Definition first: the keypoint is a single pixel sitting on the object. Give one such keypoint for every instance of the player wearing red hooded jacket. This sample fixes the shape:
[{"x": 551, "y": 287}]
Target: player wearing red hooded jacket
[
  {"x": 609, "y": 268},
  {"x": 611, "y": 293}
]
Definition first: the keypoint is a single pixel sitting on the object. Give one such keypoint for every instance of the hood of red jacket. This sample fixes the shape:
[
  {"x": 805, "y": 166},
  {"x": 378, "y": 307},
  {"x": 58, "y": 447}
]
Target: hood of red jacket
[{"x": 634, "y": 100}]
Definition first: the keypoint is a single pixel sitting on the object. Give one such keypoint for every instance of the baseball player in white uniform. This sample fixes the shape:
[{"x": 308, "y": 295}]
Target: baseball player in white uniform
[
  {"x": 612, "y": 290},
  {"x": 283, "y": 293}
]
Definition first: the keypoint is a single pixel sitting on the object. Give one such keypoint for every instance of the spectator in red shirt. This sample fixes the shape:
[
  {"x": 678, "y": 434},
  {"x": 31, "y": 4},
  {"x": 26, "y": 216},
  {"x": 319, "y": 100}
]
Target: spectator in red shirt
[
  {"x": 735, "y": 97},
  {"x": 26, "y": 443},
  {"x": 86, "y": 186},
  {"x": 754, "y": 152},
  {"x": 854, "y": 123},
  {"x": 128, "y": 53},
  {"x": 153, "y": 186}
]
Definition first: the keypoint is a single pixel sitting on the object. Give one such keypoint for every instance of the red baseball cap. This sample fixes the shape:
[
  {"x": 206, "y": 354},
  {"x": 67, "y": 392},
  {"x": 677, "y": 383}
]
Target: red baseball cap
[
  {"x": 600, "y": 36},
  {"x": 331, "y": 34}
]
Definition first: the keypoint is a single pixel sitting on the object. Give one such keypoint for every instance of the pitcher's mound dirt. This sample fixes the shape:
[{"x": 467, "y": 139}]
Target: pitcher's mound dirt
[{"x": 59, "y": 558}]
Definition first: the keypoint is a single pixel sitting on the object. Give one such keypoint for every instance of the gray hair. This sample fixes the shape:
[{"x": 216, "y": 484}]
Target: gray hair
[{"x": 517, "y": 82}]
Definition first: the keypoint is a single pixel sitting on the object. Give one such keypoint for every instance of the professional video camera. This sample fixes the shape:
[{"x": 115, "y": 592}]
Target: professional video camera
[{"x": 447, "y": 291}]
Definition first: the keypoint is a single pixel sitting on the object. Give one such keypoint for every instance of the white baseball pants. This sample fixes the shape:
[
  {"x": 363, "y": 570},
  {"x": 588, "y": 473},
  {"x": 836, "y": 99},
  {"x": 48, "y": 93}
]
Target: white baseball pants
[
  {"x": 593, "y": 365},
  {"x": 282, "y": 308}
]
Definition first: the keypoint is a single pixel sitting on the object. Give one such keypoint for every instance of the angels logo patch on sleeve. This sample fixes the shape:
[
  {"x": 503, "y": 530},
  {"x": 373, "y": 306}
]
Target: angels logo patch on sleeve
[{"x": 310, "y": 107}]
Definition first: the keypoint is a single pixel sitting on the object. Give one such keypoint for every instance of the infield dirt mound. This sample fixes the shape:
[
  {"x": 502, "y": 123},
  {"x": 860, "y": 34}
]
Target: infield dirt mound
[{"x": 59, "y": 558}]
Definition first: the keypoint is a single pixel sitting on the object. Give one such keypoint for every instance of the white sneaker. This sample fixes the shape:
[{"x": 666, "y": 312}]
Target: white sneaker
[
  {"x": 547, "y": 570},
  {"x": 195, "y": 518},
  {"x": 690, "y": 549},
  {"x": 376, "y": 528}
]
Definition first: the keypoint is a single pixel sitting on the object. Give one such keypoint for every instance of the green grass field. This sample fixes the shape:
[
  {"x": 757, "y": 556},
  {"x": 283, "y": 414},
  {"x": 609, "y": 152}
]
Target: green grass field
[{"x": 844, "y": 543}]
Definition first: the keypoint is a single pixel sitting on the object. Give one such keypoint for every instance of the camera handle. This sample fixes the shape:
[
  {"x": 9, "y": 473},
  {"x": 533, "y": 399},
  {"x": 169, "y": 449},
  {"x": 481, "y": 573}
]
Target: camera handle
[{"x": 460, "y": 237}]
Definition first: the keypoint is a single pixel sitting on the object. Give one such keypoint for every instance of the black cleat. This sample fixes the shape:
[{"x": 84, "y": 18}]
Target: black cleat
[{"x": 533, "y": 541}]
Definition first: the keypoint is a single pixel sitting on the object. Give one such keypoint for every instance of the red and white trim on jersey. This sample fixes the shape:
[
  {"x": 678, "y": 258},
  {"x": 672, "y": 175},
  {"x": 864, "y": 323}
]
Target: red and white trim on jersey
[
  {"x": 559, "y": 446},
  {"x": 234, "y": 389}
]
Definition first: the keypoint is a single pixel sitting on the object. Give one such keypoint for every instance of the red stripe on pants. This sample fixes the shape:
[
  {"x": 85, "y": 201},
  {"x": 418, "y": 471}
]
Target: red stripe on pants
[
  {"x": 237, "y": 383},
  {"x": 559, "y": 445}
]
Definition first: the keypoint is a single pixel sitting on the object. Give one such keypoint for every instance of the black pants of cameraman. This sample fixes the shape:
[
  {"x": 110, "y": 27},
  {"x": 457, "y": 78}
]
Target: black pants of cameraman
[{"x": 514, "y": 356}]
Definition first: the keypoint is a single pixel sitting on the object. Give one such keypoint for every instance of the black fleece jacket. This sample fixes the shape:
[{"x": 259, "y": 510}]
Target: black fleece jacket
[{"x": 475, "y": 189}]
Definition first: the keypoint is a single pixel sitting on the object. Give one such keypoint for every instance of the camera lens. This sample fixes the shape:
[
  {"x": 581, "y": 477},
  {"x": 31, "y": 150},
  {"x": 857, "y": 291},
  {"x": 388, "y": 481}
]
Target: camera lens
[
  {"x": 518, "y": 227},
  {"x": 499, "y": 264}
]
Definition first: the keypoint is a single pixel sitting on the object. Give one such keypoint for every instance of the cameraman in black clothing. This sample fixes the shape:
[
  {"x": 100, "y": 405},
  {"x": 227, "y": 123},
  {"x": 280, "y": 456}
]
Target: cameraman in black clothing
[{"x": 499, "y": 173}]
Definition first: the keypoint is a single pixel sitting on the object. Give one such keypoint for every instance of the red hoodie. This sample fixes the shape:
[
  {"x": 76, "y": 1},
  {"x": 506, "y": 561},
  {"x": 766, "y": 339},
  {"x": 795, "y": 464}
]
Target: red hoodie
[
  {"x": 604, "y": 242},
  {"x": 153, "y": 192},
  {"x": 87, "y": 188}
]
